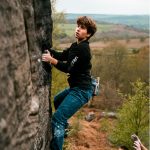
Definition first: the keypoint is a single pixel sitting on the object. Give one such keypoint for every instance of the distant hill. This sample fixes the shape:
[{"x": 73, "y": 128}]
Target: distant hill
[{"x": 136, "y": 21}]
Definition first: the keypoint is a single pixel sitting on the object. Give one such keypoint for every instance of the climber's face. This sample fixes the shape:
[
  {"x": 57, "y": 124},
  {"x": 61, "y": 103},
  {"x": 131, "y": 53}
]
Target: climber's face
[{"x": 81, "y": 33}]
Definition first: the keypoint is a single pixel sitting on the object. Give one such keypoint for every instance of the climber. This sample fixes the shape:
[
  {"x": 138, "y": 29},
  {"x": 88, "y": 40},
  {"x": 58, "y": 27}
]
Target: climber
[{"x": 76, "y": 62}]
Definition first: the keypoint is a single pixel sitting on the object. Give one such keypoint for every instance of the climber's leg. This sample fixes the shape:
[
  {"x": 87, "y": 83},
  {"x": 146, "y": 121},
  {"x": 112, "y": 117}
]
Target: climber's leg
[{"x": 72, "y": 103}]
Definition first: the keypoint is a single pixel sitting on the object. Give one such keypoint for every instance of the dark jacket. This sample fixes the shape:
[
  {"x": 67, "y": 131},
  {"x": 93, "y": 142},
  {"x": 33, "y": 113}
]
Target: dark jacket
[{"x": 76, "y": 61}]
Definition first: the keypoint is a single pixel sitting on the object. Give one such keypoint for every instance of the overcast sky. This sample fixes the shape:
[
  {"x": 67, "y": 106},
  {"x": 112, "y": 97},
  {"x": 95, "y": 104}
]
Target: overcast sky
[{"x": 104, "y": 6}]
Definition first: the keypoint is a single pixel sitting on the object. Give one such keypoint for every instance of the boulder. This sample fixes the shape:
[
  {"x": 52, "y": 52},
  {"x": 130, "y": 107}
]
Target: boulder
[{"x": 25, "y": 82}]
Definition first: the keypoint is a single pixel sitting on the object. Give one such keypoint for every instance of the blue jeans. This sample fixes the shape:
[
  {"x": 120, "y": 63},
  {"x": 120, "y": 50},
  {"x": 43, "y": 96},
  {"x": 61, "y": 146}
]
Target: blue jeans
[{"x": 66, "y": 103}]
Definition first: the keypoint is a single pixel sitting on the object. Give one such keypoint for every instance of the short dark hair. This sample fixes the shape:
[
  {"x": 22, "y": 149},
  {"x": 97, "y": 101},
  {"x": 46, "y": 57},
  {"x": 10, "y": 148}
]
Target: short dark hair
[
  {"x": 88, "y": 23},
  {"x": 124, "y": 147}
]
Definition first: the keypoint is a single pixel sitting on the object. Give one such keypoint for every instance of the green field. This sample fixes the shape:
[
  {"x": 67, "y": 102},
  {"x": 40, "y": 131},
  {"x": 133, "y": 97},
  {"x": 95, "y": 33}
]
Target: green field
[{"x": 70, "y": 28}]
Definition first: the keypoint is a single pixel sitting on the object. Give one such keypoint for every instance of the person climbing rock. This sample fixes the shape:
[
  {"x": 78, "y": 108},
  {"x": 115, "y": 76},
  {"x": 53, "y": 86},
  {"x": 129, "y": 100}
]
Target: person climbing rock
[{"x": 76, "y": 62}]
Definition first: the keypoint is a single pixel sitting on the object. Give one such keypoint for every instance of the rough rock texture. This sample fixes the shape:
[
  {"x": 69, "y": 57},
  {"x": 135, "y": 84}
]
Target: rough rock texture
[{"x": 25, "y": 31}]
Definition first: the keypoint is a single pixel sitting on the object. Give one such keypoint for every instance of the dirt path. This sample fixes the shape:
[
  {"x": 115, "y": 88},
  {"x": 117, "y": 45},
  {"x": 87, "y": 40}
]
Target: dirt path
[{"x": 88, "y": 136}]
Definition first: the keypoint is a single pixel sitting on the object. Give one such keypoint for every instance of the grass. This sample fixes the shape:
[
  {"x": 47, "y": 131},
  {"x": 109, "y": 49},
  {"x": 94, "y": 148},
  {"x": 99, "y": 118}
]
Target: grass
[
  {"x": 59, "y": 83},
  {"x": 70, "y": 28}
]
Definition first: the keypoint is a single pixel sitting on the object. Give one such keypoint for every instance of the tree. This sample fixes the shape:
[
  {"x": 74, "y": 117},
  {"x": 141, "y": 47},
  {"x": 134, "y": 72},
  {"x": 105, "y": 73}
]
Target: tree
[
  {"x": 58, "y": 17},
  {"x": 115, "y": 55},
  {"x": 137, "y": 66},
  {"x": 133, "y": 117}
]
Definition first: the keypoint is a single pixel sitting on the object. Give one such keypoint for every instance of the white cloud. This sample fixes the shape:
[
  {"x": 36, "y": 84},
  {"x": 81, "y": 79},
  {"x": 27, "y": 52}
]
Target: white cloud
[{"x": 104, "y": 6}]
